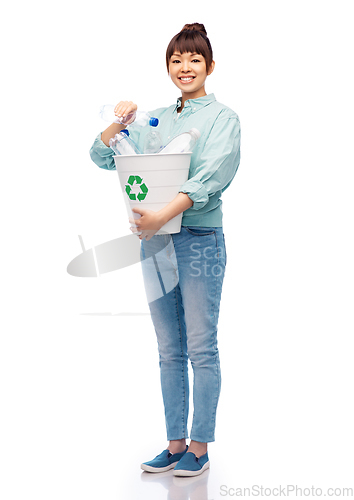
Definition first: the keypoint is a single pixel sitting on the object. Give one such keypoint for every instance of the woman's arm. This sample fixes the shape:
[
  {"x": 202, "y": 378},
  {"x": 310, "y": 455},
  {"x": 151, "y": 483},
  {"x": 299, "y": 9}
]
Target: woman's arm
[
  {"x": 218, "y": 162},
  {"x": 151, "y": 221},
  {"x": 122, "y": 109},
  {"x": 110, "y": 132},
  {"x": 175, "y": 207}
]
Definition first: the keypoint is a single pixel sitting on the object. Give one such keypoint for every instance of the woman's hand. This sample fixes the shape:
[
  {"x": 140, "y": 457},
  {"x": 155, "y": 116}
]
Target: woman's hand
[
  {"x": 148, "y": 224},
  {"x": 125, "y": 108}
]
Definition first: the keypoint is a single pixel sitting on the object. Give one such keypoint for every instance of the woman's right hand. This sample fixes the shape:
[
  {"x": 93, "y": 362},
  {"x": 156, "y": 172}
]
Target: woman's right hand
[{"x": 125, "y": 108}]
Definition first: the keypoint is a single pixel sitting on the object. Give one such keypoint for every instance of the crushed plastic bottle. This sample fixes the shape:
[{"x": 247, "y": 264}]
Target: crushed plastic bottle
[
  {"x": 108, "y": 115},
  {"x": 137, "y": 119},
  {"x": 122, "y": 144},
  {"x": 182, "y": 143}
]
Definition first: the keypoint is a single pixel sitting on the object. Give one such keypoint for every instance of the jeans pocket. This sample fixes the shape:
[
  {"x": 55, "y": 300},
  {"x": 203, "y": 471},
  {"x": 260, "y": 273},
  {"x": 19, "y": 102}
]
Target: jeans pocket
[{"x": 200, "y": 231}]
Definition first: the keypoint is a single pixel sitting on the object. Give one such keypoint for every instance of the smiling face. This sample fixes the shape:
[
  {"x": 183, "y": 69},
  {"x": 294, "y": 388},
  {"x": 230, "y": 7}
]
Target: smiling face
[{"x": 188, "y": 72}]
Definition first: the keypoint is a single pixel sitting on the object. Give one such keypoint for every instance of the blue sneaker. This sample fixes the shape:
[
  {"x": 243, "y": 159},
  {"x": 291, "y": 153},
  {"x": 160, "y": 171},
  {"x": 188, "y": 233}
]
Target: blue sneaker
[
  {"x": 163, "y": 462},
  {"x": 190, "y": 465}
]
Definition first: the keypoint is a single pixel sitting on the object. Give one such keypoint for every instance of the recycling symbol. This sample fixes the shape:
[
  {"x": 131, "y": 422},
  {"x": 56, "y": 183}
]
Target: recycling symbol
[{"x": 128, "y": 187}]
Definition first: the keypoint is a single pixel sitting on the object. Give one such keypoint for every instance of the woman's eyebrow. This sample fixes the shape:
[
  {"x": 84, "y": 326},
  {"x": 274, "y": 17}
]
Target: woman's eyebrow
[{"x": 177, "y": 54}]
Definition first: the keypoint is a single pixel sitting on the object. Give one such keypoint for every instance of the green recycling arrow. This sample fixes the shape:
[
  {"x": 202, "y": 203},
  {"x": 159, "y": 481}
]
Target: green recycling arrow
[{"x": 128, "y": 187}]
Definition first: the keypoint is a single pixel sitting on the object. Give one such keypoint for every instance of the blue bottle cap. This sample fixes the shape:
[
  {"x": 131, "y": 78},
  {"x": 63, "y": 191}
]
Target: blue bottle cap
[
  {"x": 126, "y": 131},
  {"x": 154, "y": 122}
]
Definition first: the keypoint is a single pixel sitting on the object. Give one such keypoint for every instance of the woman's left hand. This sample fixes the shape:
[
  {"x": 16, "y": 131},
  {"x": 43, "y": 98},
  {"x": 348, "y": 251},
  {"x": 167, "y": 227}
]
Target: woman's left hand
[{"x": 148, "y": 224}]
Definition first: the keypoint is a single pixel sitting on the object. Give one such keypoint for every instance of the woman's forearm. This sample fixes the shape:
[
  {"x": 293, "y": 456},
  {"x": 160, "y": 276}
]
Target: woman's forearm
[
  {"x": 110, "y": 132},
  {"x": 175, "y": 207}
]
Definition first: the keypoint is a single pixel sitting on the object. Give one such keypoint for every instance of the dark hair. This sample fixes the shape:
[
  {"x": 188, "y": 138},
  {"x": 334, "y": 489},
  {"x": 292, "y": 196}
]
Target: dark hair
[{"x": 191, "y": 38}]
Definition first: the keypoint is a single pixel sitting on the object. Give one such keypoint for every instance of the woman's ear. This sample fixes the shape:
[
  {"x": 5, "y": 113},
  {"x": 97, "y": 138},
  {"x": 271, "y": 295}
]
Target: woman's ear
[{"x": 211, "y": 68}]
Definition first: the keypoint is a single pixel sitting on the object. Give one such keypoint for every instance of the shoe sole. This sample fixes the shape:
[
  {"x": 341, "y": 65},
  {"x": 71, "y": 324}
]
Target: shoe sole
[
  {"x": 149, "y": 468},
  {"x": 180, "y": 472}
]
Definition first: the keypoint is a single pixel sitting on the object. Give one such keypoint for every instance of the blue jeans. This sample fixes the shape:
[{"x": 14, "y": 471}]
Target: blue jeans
[{"x": 185, "y": 315}]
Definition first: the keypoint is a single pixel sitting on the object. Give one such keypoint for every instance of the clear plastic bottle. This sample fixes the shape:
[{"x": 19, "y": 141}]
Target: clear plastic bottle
[
  {"x": 182, "y": 143},
  {"x": 140, "y": 118},
  {"x": 152, "y": 142},
  {"x": 143, "y": 119},
  {"x": 107, "y": 114},
  {"x": 122, "y": 144}
]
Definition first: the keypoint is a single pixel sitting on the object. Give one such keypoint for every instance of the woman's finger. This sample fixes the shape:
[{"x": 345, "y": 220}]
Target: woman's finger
[
  {"x": 119, "y": 109},
  {"x": 134, "y": 221},
  {"x": 124, "y": 108}
]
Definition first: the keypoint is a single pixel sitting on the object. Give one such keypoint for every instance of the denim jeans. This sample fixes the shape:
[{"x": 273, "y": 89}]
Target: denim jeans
[{"x": 185, "y": 315}]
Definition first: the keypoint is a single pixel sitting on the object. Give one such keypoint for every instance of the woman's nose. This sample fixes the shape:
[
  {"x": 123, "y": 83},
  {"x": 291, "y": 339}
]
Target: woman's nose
[{"x": 185, "y": 67}]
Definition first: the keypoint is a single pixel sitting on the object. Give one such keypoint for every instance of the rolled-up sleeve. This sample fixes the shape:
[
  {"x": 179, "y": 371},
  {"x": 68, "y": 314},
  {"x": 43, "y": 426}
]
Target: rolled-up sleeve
[
  {"x": 218, "y": 162},
  {"x": 102, "y": 155}
]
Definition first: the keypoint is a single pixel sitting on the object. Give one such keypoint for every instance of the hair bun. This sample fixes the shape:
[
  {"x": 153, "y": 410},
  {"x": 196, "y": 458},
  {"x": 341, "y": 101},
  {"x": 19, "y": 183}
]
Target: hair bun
[{"x": 194, "y": 27}]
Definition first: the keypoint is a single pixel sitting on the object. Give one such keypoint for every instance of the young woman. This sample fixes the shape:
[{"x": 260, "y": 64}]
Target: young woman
[{"x": 185, "y": 319}]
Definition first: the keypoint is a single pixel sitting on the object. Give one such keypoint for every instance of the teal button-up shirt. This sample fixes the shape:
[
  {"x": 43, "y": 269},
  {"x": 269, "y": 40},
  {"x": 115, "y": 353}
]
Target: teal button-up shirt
[{"x": 215, "y": 158}]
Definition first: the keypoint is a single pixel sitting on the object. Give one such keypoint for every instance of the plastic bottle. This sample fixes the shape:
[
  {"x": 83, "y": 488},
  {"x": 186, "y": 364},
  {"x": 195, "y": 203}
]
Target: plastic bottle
[
  {"x": 182, "y": 143},
  {"x": 152, "y": 142},
  {"x": 107, "y": 114},
  {"x": 122, "y": 144},
  {"x": 141, "y": 118}
]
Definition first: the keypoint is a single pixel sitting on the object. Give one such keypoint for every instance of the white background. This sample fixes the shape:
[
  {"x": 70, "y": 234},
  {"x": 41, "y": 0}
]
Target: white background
[{"x": 80, "y": 395}]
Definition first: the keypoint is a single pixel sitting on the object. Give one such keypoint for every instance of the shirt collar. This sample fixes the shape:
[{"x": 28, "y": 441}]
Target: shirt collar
[{"x": 196, "y": 104}]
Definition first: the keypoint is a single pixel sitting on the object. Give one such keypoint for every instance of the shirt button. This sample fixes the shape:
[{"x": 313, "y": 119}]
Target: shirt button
[{"x": 194, "y": 109}]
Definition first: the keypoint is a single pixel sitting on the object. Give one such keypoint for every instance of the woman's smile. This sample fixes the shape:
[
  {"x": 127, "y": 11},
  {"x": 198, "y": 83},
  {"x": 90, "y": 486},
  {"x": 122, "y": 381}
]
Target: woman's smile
[{"x": 186, "y": 79}]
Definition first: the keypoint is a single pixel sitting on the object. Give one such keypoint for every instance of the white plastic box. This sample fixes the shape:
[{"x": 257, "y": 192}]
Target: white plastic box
[{"x": 151, "y": 181}]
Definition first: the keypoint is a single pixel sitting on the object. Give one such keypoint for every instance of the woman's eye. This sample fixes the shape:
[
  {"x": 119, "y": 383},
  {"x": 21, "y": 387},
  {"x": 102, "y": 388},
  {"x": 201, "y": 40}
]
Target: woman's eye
[
  {"x": 196, "y": 60},
  {"x": 175, "y": 61}
]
